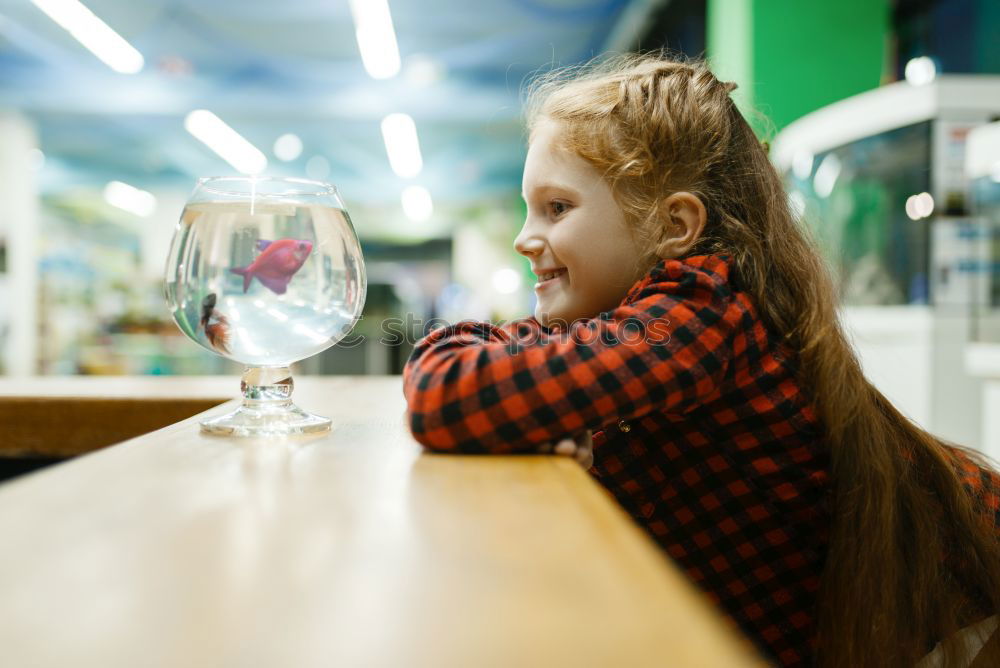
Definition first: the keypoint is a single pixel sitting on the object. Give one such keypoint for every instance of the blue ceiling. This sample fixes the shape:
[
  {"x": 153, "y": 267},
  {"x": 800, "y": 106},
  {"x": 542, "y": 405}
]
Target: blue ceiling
[{"x": 269, "y": 67}]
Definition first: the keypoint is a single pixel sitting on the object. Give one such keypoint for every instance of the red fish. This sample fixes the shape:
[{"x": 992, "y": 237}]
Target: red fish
[
  {"x": 215, "y": 324},
  {"x": 277, "y": 263}
]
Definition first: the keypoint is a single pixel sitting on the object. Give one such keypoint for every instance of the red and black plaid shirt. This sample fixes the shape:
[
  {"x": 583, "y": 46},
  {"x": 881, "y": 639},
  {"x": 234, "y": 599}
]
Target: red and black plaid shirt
[{"x": 701, "y": 432}]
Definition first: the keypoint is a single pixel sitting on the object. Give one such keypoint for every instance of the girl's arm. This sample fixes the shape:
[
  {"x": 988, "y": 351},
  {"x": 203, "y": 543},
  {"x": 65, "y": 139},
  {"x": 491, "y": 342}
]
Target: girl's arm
[{"x": 476, "y": 388}]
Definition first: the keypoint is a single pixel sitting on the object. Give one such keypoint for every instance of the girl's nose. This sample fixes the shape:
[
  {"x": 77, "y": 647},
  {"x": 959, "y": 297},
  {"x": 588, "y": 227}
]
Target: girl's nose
[{"x": 527, "y": 243}]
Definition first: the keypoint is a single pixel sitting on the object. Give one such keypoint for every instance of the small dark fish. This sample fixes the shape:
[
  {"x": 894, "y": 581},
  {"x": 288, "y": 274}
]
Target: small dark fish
[
  {"x": 215, "y": 324},
  {"x": 207, "y": 306}
]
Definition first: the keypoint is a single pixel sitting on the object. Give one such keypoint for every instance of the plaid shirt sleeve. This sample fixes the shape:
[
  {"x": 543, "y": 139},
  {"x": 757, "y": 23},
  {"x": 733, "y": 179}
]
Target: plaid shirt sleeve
[{"x": 474, "y": 387}]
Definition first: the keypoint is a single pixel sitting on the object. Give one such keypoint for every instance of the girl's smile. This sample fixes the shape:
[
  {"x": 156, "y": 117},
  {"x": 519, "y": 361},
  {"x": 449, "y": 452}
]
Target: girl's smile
[{"x": 546, "y": 278}]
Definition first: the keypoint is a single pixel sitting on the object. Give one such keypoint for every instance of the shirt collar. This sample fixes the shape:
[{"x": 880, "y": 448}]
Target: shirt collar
[{"x": 673, "y": 270}]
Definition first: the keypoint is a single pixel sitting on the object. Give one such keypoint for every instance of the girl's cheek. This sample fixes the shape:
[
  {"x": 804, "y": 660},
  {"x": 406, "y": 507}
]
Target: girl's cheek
[{"x": 561, "y": 241}]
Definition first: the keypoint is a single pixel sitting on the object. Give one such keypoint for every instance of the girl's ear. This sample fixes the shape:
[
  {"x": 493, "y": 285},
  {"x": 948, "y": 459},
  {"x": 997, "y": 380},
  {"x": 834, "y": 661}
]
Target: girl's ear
[{"x": 682, "y": 219}]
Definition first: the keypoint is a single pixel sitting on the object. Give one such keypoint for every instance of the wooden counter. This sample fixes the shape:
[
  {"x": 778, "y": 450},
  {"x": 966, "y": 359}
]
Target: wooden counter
[
  {"x": 58, "y": 417},
  {"x": 351, "y": 549}
]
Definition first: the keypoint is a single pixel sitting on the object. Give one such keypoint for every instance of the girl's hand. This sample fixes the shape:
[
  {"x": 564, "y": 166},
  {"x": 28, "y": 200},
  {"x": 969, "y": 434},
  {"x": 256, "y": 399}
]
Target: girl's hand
[{"x": 580, "y": 448}]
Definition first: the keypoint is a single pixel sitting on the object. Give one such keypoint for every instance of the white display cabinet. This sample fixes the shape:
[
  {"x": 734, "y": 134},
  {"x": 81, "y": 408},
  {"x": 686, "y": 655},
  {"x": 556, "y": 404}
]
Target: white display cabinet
[
  {"x": 880, "y": 179},
  {"x": 983, "y": 354}
]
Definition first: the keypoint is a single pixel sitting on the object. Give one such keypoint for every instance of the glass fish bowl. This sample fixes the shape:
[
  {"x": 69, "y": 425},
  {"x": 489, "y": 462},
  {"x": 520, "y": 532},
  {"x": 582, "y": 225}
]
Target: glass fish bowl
[{"x": 265, "y": 272}]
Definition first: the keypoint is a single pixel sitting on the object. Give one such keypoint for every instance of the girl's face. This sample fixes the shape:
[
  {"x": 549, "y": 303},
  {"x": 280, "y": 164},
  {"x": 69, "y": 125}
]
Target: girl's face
[{"x": 575, "y": 234}]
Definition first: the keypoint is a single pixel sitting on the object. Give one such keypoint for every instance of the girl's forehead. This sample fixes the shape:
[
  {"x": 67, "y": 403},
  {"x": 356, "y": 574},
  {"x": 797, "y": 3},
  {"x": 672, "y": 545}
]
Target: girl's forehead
[
  {"x": 545, "y": 143},
  {"x": 550, "y": 166},
  {"x": 544, "y": 126},
  {"x": 544, "y": 160}
]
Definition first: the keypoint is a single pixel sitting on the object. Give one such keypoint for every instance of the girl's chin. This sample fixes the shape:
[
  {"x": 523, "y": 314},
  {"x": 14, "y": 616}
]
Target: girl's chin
[
  {"x": 552, "y": 317},
  {"x": 545, "y": 318},
  {"x": 561, "y": 317}
]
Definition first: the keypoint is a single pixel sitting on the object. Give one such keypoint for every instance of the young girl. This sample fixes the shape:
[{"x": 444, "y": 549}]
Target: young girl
[{"x": 684, "y": 317}]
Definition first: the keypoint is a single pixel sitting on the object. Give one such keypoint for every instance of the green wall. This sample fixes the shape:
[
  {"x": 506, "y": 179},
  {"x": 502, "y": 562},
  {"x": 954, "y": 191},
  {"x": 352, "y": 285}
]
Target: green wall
[
  {"x": 791, "y": 57},
  {"x": 988, "y": 36}
]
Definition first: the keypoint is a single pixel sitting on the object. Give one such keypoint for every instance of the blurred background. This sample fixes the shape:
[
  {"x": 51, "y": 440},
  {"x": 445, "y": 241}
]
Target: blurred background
[{"x": 884, "y": 117}]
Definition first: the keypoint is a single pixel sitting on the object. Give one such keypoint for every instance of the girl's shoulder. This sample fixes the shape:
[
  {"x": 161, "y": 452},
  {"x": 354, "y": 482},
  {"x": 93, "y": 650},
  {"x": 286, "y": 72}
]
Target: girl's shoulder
[{"x": 695, "y": 281}]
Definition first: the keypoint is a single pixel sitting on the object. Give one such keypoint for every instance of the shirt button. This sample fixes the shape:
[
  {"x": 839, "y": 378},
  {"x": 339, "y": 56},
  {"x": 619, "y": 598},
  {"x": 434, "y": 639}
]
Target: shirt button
[{"x": 624, "y": 426}]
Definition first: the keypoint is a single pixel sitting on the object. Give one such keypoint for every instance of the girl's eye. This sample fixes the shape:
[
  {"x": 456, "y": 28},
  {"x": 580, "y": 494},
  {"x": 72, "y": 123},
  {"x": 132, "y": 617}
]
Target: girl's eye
[{"x": 558, "y": 208}]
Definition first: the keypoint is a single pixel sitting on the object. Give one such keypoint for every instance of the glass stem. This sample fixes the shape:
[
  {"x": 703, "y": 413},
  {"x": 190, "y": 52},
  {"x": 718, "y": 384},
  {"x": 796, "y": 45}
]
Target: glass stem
[{"x": 267, "y": 387}]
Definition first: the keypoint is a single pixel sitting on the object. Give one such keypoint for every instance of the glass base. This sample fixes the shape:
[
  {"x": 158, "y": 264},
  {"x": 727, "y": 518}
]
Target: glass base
[
  {"x": 267, "y": 408},
  {"x": 246, "y": 421}
]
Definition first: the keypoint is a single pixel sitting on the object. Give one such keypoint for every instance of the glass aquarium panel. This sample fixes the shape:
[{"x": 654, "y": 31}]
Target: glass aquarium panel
[
  {"x": 986, "y": 207},
  {"x": 854, "y": 199}
]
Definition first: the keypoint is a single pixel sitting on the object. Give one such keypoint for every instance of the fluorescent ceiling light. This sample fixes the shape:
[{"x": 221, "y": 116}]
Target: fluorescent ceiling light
[
  {"x": 417, "y": 203},
  {"x": 129, "y": 198},
  {"x": 94, "y": 34},
  {"x": 401, "y": 144},
  {"x": 226, "y": 142},
  {"x": 287, "y": 147},
  {"x": 376, "y": 37}
]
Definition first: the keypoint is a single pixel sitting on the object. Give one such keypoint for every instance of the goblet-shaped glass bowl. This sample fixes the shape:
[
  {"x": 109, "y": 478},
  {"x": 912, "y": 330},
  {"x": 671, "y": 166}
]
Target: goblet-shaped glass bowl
[{"x": 265, "y": 272}]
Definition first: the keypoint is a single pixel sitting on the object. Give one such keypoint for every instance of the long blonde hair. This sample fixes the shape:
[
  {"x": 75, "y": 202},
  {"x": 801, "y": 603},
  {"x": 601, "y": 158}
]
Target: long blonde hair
[{"x": 654, "y": 125}]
